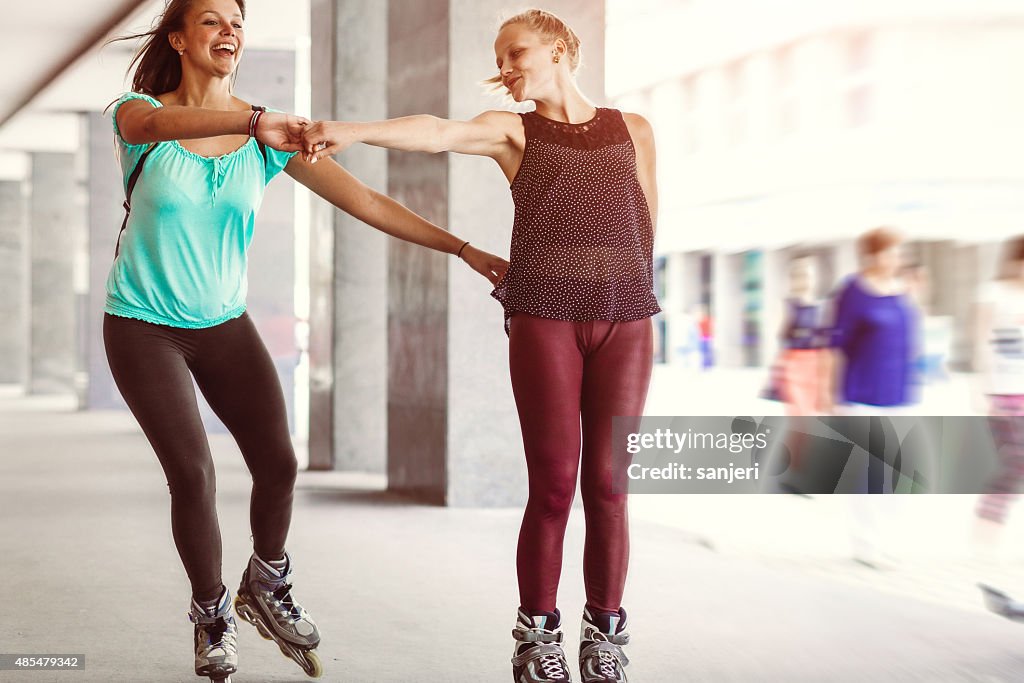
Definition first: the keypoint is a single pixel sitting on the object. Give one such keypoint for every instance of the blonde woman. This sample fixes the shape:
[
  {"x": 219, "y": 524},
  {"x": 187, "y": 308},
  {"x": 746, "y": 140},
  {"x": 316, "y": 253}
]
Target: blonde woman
[{"x": 578, "y": 298}]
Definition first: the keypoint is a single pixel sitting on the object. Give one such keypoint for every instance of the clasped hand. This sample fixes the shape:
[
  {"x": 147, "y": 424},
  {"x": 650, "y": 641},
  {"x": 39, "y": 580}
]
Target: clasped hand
[{"x": 314, "y": 140}]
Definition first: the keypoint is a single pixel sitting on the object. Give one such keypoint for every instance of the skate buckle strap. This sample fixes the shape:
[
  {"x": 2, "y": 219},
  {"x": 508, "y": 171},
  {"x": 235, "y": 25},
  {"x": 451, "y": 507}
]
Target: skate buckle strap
[
  {"x": 219, "y": 631},
  {"x": 552, "y": 659},
  {"x": 536, "y": 636},
  {"x": 615, "y": 639}
]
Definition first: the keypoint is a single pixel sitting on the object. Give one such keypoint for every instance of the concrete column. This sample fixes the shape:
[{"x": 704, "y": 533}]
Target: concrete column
[
  {"x": 56, "y": 216},
  {"x": 14, "y": 282},
  {"x": 106, "y": 193},
  {"x": 974, "y": 264},
  {"x": 673, "y": 305},
  {"x": 844, "y": 262},
  {"x": 348, "y": 266},
  {"x": 774, "y": 290},
  {"x": 727, "y": 309},
  {"x": 418, "y": 305},
  {"x": 267, "y": 77},
  {"x": 453, "y": 435}
]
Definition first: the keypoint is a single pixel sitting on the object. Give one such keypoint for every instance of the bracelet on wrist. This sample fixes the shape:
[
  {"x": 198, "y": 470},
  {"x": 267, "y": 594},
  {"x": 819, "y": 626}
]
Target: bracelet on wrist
[
  {"x": 464, "y": 245},
  {"x": 254, "y": 121}
]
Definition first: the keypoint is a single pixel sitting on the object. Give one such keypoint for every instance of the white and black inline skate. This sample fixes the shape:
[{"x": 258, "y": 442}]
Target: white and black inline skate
[
  {"x": 215, "y": 640},
  {"x": 1002, "y": 604},
  {"x": 265, "y": 601},
  {"x": 602, "y": 636},
  {"x": 538, "y": 656}
]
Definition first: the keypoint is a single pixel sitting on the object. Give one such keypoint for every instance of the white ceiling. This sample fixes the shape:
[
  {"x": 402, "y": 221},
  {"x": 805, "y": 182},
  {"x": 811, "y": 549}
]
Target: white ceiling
[
  {"x": 93, "y": 74},
  {"x": 38, "y": 41},
  {"x": 64, "y": 76}
]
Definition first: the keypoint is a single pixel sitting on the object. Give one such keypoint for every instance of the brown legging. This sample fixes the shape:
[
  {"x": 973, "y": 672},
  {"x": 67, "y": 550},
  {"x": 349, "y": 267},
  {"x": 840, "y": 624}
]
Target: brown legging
[
  {"x": 153, "y": 366},
  {"x": 569, "y": 380}
]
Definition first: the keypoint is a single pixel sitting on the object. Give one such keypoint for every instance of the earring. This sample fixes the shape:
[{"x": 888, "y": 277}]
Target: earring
[
  {"x": 556, "y": 57},
  {"x": 181, "y": 52}
]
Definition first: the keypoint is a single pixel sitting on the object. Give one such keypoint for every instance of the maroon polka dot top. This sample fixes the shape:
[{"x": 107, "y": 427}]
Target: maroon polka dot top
[{"x": 582, "y": 241}]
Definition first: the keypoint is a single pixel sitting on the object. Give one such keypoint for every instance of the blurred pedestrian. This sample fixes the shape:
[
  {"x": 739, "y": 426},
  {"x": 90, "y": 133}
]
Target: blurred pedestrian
[
  {"x": 801, "y": 339},
  {"x": 870, "y": 373},
  {"x": 705, "y": 326},
  {"x": 873, "y": 334},
  {"x": 999, "y": 362}
]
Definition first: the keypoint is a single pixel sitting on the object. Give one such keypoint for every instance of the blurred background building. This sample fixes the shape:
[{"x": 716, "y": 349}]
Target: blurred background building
[{"x": 797, "y": 125}]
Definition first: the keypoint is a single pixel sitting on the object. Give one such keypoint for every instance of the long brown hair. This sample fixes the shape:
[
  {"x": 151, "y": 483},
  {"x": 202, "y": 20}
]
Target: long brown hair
[{"x": 159, "y": 66}]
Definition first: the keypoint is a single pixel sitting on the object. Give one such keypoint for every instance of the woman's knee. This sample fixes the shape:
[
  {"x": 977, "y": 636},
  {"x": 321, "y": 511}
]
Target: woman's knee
[
  {"x": 193, "y": 480},
  {"x": 551, "y": 501},
  {"x": 277, "y": 471},
  {"x": 599, "y": 498}
]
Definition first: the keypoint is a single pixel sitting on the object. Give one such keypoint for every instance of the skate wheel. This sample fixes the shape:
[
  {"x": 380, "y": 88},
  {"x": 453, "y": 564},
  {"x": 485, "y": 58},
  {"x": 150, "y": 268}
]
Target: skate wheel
[{"x": 311, "y": 664}]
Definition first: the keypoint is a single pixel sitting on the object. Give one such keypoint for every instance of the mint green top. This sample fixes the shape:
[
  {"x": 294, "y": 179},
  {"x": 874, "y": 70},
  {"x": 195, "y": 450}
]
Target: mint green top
[{"x": 182, "y": 259}]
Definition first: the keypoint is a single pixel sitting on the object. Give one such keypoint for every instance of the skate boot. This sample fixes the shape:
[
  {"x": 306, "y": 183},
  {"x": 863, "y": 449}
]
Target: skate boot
[
  {"x": 602, "y": 636},
  {"x": 538, "y": 656},
  {"x": 265, "y": 601},
  {"x": 216, "y": 637}
]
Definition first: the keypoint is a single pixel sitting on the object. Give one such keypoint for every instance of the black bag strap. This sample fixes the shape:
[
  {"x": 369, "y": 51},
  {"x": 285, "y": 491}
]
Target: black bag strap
[
  {"x": 132, "y": 179},
  {"x": 137, "y": 171}
]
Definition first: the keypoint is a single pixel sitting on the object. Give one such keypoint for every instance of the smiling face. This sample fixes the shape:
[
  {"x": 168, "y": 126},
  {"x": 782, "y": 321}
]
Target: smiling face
[
  {"x": 526, "y": 62},
  {"x": 213, "y": 36}
]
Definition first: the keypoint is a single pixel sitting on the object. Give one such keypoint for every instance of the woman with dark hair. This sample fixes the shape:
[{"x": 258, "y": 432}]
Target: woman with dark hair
[
  {"x": 195, "y": 160},
  {"x": 577, "y": 298}
]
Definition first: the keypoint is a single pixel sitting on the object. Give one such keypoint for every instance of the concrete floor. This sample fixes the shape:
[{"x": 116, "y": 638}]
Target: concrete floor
[{"x": 404, "y": 592}]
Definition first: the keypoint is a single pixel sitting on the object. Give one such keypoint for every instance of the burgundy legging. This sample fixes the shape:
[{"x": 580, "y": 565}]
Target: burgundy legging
[
  {"x": 153, "y": 366},
  {"x": 568, "y": 375}
]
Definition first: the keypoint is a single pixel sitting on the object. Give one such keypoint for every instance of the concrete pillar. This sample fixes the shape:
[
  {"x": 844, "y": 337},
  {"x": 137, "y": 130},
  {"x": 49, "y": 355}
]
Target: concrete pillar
[
  {"x": 453, "y": 436},
  {"x": 774, "y": 290},
  {"x": 727, "y": 309},
  {"x": 418, "y": 306},
  {"x": 267, "y": 77},
  {"x": 844, "y": 262},
  {"x": 974, "y": 264},
  {"x": 348, "y": 260},
  {"x": 106, "y": 193},
  {"x": 14, "y": 282},
  {"x": 673, "y": 306},
  {"x": 56, "y": 215}
]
